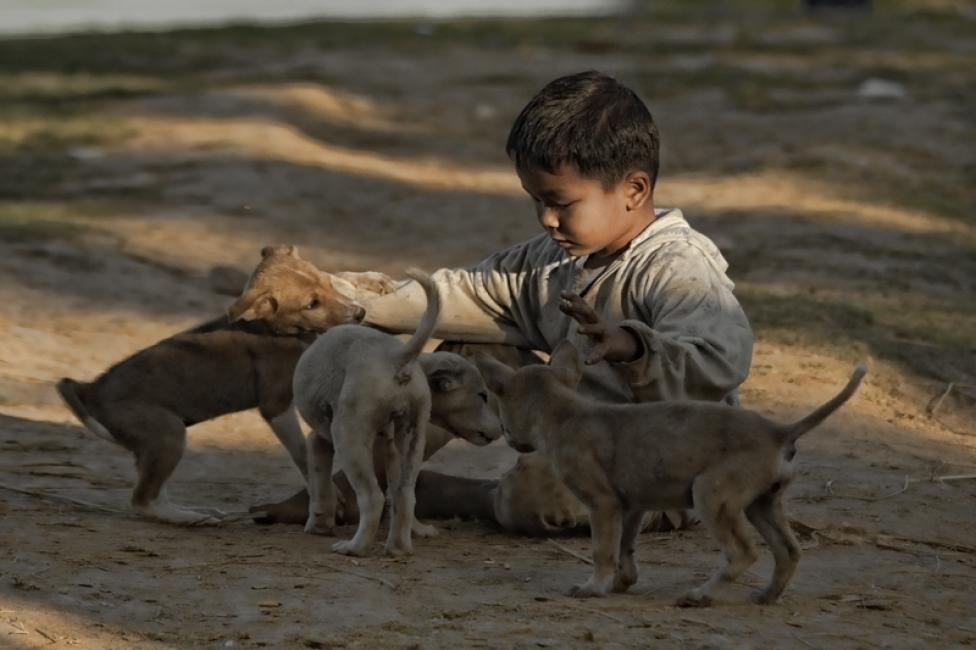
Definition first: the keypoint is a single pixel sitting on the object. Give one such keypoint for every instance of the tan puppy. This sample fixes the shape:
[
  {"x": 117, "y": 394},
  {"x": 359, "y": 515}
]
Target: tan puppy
[
  {"x": 146, "y": 402},
  {"x": 621, "y": 460},
  {"x": 353, "y": 384}
]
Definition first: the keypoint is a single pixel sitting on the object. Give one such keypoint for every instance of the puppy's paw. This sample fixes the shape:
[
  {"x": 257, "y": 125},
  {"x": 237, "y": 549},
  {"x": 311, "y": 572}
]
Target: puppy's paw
[
  {"x": 170, "y": 514},
  {"x": 423, "y": 530},
  {"x": 319, "y": 526},
  {"x": 622, "y": 583},
  {"x": 293, "y": 510},
  {"x": 694, "y": 598},
  {"x": 762, "y": 597},
  {"x": 346, "y": 547},
  {"x": 397, "y": 550},
  {"x": 585, "y": 590}
]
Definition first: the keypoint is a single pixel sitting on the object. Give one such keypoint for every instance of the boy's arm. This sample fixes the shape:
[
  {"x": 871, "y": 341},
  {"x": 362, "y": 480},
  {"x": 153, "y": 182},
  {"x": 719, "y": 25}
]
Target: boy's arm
[
  {"x": 478, "y": 305},
  {"x": 692, "y": 340},
  {"x": 696, "y": 340}
]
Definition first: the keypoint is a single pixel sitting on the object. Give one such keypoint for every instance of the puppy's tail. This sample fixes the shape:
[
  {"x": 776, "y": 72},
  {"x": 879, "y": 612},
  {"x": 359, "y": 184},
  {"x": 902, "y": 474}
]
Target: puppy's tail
[
  {"x": 69, "y": 390},
  {"x": 425, "y": 330},
  {"x": 793, "y": 431}
]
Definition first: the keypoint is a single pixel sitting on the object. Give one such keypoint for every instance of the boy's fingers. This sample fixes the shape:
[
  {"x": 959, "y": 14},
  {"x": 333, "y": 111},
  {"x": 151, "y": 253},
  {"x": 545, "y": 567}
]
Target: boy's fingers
[
  {"x": 596, "y": 354},
  {"x": 578, "y": 308},
  {"x": 593, "y": 329}
]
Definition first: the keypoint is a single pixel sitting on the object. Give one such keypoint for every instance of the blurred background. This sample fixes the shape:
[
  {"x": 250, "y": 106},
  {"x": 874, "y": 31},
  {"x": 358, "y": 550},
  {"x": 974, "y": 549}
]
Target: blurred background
[{"x": 827, "y": 146}]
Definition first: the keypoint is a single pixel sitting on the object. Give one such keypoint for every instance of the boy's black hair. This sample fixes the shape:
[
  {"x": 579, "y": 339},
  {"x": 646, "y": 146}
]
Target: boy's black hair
[{"x": 589, "y": 120}]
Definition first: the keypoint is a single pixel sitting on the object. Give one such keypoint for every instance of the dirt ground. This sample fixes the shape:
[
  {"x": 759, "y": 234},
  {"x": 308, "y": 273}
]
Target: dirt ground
[{"x": 131, "y": 164}]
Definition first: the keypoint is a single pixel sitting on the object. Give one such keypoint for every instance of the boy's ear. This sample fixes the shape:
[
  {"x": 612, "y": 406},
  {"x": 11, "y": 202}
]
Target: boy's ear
[
  {"x": 253, "y": 307},
  {"x": 637, "y": 188},
  {"x": 496, "y": 374},
  {"x": 566, "y": 363}
]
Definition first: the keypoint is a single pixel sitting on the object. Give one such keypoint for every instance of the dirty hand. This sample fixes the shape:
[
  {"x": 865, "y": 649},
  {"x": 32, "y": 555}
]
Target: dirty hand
[{"x": 610, "y": 342}]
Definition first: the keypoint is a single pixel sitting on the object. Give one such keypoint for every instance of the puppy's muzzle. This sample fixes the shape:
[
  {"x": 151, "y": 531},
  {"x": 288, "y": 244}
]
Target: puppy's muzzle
[{"x": 517, "y": 445}]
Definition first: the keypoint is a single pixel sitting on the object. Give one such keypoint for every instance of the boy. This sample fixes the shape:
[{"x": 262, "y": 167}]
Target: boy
[
  {"x": 638, "y": 288},
  {"x": 643, "y": 294}
]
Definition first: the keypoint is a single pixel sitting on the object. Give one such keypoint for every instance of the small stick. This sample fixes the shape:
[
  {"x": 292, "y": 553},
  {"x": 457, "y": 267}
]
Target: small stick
[
  {"x": 45, "y": 635},
  {"x": 569, "y": 551},
  {"x": 802, "y": 640},
  {"x": 904, "y": 488},
  {"x": 595, "y": 611},
  {"x": 932, "y": 409},
  {"x": 941, "y": 479},
  {"x": 58, "y": 497},
  {"x": 364, "y": 576}
]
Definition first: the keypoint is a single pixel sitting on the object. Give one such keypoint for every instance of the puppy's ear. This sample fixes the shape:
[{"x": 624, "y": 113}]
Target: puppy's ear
[
  {"x": 268, "y": 251},
  {"x": 249, "y": 307},
  {"x": 566, "y": 363},
  {"x": 497, "y": 375},
  {"x": 443, "y": 381}
]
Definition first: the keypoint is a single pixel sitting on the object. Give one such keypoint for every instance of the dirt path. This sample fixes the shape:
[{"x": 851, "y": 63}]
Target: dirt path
[{"x": 127, "y": 170}]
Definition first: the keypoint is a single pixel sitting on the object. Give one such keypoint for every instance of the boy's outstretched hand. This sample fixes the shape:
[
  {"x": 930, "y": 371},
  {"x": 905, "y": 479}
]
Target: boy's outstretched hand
[{"x": 610, "y": 342}]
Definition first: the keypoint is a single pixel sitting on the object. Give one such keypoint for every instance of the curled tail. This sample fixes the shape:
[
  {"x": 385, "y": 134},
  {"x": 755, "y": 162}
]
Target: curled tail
[
  {"x": 69, "y": 390},
  {"x": 425, "y": 330},
  {"x": 793, "y": 431}
]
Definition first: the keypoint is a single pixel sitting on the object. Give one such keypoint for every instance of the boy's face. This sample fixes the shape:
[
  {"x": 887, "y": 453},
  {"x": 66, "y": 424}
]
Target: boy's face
[{"x": 581, "y": 215}]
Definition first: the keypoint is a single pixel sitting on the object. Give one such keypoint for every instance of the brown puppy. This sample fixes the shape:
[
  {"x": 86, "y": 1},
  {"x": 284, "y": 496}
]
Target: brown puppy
[
  {"x": 621, "y": 460},
  {"x": 237, "y": 362}
]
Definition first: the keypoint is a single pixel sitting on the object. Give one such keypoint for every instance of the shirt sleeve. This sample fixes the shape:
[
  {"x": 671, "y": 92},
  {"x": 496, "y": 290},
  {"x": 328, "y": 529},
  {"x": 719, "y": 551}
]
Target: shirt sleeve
[
  {"x": 697, "y": 342},
  {"x": 482, "y": 304}
]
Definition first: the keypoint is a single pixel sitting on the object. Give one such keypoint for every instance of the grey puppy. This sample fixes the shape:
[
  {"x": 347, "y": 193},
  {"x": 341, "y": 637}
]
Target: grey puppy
[
  {"x": 352, "y": 385},
  {"x": 621, "y": 460},
  {"x": 236, "y": 362}
]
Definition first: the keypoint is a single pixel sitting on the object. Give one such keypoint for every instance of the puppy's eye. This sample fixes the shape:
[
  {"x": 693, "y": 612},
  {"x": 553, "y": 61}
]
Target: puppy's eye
[
  {"x": 484, "y": 397},
  {"x": 313, "y": 304}
]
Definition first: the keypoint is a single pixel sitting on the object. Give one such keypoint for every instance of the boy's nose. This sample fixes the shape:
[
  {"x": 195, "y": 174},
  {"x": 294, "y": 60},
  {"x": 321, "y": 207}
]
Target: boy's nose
[{"x": 548, "y": 218}]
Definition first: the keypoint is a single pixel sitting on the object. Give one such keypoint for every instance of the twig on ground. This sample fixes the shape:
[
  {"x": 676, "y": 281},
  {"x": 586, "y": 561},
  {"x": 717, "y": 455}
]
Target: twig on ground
[
  {"x": 931, "y": 409},
  {"x": 45, "y": 635},
  {"x": 698, "y": 621},
  {"x": 802, "y": 640},
  {"x": 64, "y": 499},
  {"x": 589, "y": 610},
  {"x": 903, "y": 488},
  {"x": 947, "y": 478},
  {"x": 569, "y": 551},
  {"x": 921, "y": 344},
  {"x": 364, "y": 576}
]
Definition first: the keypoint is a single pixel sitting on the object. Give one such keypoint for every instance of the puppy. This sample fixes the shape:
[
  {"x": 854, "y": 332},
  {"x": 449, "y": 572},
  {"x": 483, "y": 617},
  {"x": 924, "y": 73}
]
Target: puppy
[
  {"x": 353, "y": 384},
  {"x": 459, "y": 408},
  {"x": 623, "y": 459},
  {"x": 237, "y": 362}
]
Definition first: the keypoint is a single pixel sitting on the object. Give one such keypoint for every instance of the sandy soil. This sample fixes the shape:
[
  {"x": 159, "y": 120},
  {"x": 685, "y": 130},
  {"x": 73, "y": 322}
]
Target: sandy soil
[{"x": 847, "y": 240}]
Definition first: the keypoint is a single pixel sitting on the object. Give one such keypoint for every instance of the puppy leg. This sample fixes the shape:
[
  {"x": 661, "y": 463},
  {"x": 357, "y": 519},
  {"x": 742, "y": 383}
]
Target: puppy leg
[
  {"x": 606, "y": 527},
  {"x": 289, "y": 433},
  {"x": 355, "y": 442},
  {"x": 726, "y": 521},
  {"x": 322, "y": 499},
  {"x": 161, "y": 441},
  {"x": 627, "y": 566},
  {"x": 410, "y": 440},
  {"x": 766, "y": 514}
]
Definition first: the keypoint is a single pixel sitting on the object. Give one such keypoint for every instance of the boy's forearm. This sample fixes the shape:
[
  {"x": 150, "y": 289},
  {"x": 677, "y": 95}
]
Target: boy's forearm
[
  {"x": 686, "y": 368},
  {"x": 461, "y": 317}
]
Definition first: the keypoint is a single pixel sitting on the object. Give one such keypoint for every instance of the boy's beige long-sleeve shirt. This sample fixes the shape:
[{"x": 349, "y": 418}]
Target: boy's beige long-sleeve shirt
[{"x": 668, "y": 287}]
